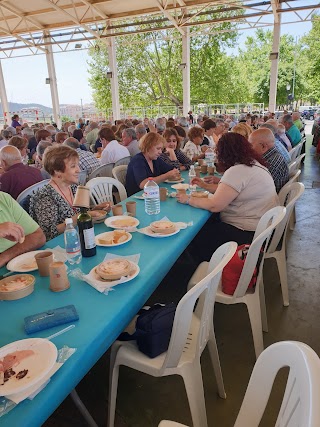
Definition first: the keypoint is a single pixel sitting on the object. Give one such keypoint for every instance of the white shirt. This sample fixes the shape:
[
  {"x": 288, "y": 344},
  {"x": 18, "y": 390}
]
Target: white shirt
[
  {"x": 113, "y": 152},
  {"x": 191, "y": 150}
]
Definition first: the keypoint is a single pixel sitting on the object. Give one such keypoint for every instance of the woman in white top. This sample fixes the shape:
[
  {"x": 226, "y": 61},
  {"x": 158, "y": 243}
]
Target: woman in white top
[
  {"x": 244, "y": 193},
  {"x": 192, "y": 149}
]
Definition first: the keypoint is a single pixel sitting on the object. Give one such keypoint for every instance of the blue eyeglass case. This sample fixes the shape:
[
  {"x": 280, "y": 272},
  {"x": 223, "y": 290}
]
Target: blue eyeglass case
[{"x": 50, "y": 318}]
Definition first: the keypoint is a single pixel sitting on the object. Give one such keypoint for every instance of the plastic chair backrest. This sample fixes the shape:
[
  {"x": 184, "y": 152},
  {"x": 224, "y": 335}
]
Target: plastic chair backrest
[
  {"x": 294, "y": 178},
  {"x": 299, "y": 159},
  {"x": 31, "y": 190},
  {"x": 294, "y": 153},
  {"x": 101, "y": 189},
  {"x": 266, "y": 225},
  {"x": 124, "y": 161},
  {"x": 292, "y": 166},
  {"x": 120, "y": 173},
  {"x": 82, "y": 177},
  {"x": 300, "y": 404},
  {"x": 288, "y": 196},
  {"x": 104, "y": 170},
  {"x": 205, "y": 290}
]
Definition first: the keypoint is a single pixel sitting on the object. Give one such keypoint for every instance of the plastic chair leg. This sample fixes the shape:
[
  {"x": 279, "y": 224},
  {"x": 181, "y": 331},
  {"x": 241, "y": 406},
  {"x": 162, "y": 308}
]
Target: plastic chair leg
[
  {"x": 113, "y": 388},
  {"x": 254, "y": 311},
  {"x": 192, "y": 378},
  {"x": 293, "y": 219},
  {"x": 282, "y": 268},
  {"x": 264, "y": 318},
  {"x": 215, "y": 360}
]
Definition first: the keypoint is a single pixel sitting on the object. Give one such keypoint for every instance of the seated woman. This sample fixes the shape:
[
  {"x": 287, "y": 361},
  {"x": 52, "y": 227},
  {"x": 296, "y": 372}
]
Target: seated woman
[
  {"x": 192, "y": 149},
  {"x": 171, "y": 153},
  {"x": 244, "y": 193},
  {"x": 53, "y": 203},
  {"x": 147, "y": 164},
  {"x": 242, "y": 129}
]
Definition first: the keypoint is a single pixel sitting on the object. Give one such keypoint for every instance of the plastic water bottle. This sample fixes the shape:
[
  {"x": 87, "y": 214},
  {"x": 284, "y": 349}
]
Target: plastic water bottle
[
  {"x": 192, "y": 174},
  {"x": 151, "y": 197},
  {"x": 72, "y": 243},
  {"x": 209, "y": 156}
]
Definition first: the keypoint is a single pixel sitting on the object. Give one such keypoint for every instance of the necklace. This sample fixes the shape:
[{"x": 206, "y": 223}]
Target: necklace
[{"x": 70, "y": 200}]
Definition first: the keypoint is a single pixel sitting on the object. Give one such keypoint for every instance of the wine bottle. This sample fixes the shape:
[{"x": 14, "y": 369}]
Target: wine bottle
[{"x": 86, "y": 233}]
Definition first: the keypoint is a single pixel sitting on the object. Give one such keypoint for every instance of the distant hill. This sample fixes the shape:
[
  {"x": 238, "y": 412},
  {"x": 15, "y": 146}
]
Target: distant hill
[{"x": 14, "y": 106}]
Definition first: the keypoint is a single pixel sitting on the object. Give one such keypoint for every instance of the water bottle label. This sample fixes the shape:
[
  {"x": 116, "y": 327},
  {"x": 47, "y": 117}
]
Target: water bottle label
[
  {"x": 209, "y": 156},
  {"x": 151, "y": 193},
  {"x": 89, "y": 238},
  {"x": 73, "y": 251}
]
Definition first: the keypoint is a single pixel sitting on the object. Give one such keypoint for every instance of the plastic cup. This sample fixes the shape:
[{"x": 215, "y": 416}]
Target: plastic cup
[
  {"x": 43, "y": 260},
  {"x": 200, "y": 162},
  {"x": 204, "y": 169},
  {"x": 211, "y": 170},
  {"x": 198, "y": 170},
  {"x": 58, "y": 277},
  {"x": 163, "y": 194},
  {"x": 131, "y": 208},
  {"x": 117, "y": 210}
]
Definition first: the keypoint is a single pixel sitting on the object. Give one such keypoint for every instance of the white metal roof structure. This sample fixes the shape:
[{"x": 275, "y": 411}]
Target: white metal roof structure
[{"x": 30, "y": 27}]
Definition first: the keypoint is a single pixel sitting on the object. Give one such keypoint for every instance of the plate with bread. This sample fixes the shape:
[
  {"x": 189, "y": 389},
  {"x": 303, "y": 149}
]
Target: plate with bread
[
  {"x": 113, "y": 238},
  {"x": 161, "y": 229},
  {"x": 98, "y": 216},
  {"x": 114, "y": 271},
  {"x": 121, "y": 222}
]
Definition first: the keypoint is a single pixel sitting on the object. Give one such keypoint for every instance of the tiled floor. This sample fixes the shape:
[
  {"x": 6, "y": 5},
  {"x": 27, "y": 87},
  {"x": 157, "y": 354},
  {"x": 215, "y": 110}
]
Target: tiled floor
[{"x": 143, "y": 401}]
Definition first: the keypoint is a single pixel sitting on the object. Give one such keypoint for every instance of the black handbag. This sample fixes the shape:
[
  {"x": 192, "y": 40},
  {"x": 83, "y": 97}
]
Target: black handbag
[{"x": 153, "y": 329}]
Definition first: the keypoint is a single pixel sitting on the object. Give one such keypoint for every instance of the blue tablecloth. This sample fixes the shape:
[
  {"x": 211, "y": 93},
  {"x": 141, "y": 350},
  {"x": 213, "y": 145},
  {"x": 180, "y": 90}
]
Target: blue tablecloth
[{"x": 102, "y": 317}]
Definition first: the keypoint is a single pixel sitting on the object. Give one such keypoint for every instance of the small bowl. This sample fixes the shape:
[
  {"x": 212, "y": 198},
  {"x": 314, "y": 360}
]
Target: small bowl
[{"x": 9, "y": 295}]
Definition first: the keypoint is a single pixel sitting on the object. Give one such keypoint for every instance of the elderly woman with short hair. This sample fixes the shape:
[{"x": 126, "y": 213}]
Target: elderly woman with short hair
[
  {"x": 148, "y": 164},
  {"x": 22, "y": 146},
  {"x": 53, "y": 203}
]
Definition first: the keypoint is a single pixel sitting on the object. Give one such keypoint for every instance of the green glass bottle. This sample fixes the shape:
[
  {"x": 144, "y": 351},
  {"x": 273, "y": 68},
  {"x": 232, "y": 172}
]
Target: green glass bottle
[{"x": 86, "y": 233}]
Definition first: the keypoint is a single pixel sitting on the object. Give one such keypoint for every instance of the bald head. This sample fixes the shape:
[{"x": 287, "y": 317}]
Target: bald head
[
  {"x": 295, "y": 116},
  {"x": 10, "y": 155},
  {"x": 262, "y": 140}
]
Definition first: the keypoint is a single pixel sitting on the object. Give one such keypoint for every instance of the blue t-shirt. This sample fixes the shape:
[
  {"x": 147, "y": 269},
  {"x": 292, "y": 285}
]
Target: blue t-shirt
[{"x": 139, "y": 170}]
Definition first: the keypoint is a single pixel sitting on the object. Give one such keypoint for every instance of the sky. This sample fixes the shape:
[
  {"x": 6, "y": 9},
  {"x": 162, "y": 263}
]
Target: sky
[{"x": 25, "y": 77}]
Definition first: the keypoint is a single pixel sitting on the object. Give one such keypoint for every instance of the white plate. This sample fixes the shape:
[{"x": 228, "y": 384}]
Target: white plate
[
  {"x": 17, "y": 263},
  {"x": 180, "y": 186},
  {"x": 149, "y": 232},
  {"x": 102, "y": 235},
  {"x": 111, "y": 219},
  {"x": 174, "y": 182},
  {"x": 38, "y": 364},
  {"x": 93, "y": 275}
]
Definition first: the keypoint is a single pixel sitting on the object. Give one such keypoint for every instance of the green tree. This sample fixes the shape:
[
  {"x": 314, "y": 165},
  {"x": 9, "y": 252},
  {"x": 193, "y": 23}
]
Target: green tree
[{"x": 310, "y": 59}]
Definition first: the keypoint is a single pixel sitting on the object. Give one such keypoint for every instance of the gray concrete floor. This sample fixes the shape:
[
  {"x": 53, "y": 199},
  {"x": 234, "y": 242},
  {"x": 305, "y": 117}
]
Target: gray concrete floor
[{"x": 143, "y": 401}]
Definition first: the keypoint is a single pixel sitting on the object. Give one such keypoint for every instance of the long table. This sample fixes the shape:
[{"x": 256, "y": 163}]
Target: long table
[{"x": 102, "y": 317}]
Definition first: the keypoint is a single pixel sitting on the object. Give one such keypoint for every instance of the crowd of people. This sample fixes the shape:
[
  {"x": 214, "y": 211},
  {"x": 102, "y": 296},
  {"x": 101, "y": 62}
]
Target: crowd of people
[{"x": 252, "y": 153}]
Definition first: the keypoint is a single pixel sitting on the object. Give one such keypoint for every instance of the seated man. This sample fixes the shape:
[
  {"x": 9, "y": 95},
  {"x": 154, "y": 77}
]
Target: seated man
[
  {"x": 19, "y": 233},
  {"x": 129, "y": 140},
  {"x": 263, "y": 142},
  {"x": 17, "y": 176},
  {"x": 112, "y": 150},
  {"x": 87, "y": 160},
  {"x": 279, "y": 144},
  {"x": 291, "y": 129}
]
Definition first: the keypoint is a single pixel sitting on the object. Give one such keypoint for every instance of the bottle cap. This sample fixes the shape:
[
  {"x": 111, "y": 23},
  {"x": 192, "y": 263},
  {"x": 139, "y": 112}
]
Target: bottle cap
[{"x": 68, "y": 221}]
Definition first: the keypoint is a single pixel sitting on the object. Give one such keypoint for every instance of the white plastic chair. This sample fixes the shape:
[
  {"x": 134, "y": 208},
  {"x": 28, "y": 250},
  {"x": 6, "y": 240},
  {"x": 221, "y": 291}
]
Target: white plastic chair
[
  {"x": 124, "y": 161},
  {"x": 295, "y": 165},
  {"x": 191, "y": 332},
  {"x": 31, "y": 190},
  {"x": 82, "y": 177},
  {"x": 300, "y": 405},
  {"x": 295, "y": 152},
  {"x": 120, "y": 173},
  {"x": 101, "y": 190},
  {"x": 166, "y": 423},
  {"x": 254, "y": 300},
  {"x": 288, "y": 196},
  {"x": 104, "y": 170}
]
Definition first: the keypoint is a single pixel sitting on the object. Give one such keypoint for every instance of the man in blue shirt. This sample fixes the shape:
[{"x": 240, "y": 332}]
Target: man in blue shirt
[{"x": 291, "y": 129}]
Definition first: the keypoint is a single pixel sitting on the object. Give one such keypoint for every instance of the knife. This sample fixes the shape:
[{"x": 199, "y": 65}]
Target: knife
[{"x": 6, "y": 274}]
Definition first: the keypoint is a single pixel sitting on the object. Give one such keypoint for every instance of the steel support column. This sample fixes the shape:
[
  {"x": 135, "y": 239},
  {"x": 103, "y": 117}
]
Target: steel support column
[
  {"x": 4, "y": 99},
  {"x": 274, "y": 57},
  {"x": 186, "y": 71},
  {"x": 53, "y": 81},
  {"x": 114, "y": 78}
]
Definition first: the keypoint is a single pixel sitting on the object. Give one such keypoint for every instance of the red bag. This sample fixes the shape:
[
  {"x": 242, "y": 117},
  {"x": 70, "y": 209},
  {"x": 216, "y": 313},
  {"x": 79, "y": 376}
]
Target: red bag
[{"x": 232, "y": 271}]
